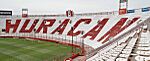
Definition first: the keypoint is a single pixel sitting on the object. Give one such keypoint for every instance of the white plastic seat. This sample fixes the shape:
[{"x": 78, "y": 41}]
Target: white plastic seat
[
  {"x": 114, "y": 54},
  {"x": 139, "y": 58},
  {"x": 100, "y": 60},
  {"x": 112, "y": 58},
  {"x": 121, "y": 59},
  {"x": 123, "y": 55},
  {"x": 126, "y": 52},
  {"x": 105, "y": 58}
]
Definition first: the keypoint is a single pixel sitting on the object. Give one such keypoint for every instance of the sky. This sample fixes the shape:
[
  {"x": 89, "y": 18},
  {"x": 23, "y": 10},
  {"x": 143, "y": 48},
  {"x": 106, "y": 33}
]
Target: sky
[{"x": 60, "y": 6}]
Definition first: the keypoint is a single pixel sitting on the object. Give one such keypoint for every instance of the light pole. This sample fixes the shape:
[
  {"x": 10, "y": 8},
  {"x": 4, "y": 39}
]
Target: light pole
[
  {"x": 34, "y": 35},
  {"x": 83, "y": 44},
  {"x": 72, "y": 39},
  {"x": 69, "y": 14}
]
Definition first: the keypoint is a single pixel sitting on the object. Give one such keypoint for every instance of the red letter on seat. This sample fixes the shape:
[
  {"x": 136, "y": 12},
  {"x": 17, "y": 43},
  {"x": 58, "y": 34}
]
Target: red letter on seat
[
  {"x": 86, "y": 21},
  {"x": 61, "y": 27},
  {"x": 46, "y": 23},
  {"x": 14, "y": 26},
  {"x": 117, "y": 29},
  {"x": 94, "y": 32},
  {"x": 23, "y": 29},
  {"x": 113, "y": 31}
]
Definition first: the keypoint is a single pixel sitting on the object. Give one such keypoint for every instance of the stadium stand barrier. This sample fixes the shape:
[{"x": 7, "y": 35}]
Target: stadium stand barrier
[{"x": 64, "y": 40}]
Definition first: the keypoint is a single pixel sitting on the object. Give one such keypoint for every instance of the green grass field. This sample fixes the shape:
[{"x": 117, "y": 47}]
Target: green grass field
[{"x": 13, "y": 49}]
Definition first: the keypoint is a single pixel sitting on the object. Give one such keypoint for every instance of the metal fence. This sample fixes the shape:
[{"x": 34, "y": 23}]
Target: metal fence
[{"x": 62, "y": 39}]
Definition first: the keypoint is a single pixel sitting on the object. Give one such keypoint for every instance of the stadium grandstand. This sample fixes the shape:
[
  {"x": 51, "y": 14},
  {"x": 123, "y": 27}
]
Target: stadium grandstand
[{"x": 121, "y": 35}]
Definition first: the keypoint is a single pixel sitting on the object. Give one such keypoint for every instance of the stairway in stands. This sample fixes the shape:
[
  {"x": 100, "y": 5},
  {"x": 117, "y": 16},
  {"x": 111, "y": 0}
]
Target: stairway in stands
[{"x": 141, "y": 51}]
